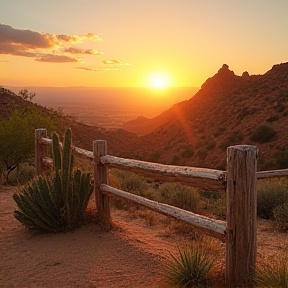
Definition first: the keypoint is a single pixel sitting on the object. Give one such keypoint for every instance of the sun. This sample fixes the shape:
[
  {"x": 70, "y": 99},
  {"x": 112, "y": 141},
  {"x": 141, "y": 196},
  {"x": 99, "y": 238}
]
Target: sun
[
  {"x": 158, "y": 80},
  {"x": 158, "y": 83}
]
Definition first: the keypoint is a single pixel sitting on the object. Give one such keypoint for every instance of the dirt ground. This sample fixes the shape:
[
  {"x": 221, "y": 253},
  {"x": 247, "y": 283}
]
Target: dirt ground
[{"x": 131, "y": 255}]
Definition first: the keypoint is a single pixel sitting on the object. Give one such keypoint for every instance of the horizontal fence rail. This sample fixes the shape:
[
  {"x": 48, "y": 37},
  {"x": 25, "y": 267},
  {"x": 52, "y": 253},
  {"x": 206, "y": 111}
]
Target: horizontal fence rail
[
  {"x": 208, "y": 179},
  {"x": 239, "y": 181},
  {"x": 210, "y": 227}
]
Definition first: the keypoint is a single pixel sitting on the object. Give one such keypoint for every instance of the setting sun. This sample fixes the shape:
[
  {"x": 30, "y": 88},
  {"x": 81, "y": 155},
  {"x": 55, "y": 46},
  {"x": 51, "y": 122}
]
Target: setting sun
[
  {"x": 158, "y": 83},
  {"x": 159, "y": 80}
]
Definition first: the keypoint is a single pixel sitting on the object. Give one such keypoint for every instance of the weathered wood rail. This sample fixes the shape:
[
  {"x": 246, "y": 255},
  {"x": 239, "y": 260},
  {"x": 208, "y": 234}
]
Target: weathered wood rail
[{"x": 239, "y": 181}]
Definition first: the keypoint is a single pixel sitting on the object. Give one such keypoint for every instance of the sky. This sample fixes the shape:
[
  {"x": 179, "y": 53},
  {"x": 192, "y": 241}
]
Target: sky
[{"x": 131, "y": 43}]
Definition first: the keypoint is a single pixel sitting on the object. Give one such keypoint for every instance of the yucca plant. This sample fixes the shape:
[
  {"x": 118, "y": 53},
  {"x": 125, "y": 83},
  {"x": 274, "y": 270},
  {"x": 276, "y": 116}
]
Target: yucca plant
[
  {"x": 190, "y": 268},
  {"x": 56, "y": 202}
]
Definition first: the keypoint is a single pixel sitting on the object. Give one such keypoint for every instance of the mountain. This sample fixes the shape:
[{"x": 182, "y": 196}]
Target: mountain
[{"x": 227, "y": 110}]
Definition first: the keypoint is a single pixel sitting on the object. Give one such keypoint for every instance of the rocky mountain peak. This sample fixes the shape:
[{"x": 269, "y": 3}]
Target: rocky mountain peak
[{"x": 223, "y": 80}]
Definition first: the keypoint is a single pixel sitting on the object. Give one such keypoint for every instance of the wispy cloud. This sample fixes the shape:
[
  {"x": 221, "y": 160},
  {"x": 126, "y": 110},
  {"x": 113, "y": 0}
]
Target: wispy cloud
[
  {"x": 109, "y": 65},
  {"x": 57, "y": 59},
  {"x": 98, "y": 69},
  {"x": 74, "y": 50}
]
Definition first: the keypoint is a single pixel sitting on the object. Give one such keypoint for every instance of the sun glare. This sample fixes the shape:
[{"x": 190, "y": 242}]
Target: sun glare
[{"x": 158, "y": 81}]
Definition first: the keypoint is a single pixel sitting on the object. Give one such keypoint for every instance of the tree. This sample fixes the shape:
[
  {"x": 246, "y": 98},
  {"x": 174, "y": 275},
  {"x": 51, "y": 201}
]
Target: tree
[
  {"x": 24, "y": 94},
  {"x": 17, "y": 137}
]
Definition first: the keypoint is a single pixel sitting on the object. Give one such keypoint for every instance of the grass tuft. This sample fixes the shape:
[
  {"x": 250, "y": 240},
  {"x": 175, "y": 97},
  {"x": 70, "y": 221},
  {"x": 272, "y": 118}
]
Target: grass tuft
[
  {"x": 273, "y": 274},
  {"x": 190, "y": 267}
]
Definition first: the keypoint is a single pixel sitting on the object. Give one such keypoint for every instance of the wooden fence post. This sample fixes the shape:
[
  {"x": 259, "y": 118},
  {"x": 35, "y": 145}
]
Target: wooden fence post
[
  {"x": 101, "y": 177},
  {"x": 41, "y": 151},
  {"x": 241, "y": 241}
]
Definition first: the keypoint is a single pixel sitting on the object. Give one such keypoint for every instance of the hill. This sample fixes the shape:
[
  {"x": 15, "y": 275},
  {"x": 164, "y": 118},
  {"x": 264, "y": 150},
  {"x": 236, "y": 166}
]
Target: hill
[
  {"x": 120, "y": 142},
  {"x": 227, "y": 110}
]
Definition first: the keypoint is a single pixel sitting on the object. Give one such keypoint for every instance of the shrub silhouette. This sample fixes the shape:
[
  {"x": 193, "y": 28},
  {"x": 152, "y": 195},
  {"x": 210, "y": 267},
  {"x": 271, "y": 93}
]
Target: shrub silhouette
[{"x": 263, "y": 134}]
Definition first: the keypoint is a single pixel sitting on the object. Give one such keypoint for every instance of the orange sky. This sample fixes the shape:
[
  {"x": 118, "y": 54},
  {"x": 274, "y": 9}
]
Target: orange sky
[{"x": 127, "y": 43}]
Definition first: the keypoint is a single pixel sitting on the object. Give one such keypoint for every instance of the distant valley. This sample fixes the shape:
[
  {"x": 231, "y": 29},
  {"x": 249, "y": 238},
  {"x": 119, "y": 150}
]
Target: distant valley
[{"x": 108, "y": 107}]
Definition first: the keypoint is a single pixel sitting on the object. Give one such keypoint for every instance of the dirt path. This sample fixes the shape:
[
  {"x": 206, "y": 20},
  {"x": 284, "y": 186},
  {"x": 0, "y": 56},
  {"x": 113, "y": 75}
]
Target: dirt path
[
  {"x": 131, "y": 255},
  {"x": 86, "y": 257}
]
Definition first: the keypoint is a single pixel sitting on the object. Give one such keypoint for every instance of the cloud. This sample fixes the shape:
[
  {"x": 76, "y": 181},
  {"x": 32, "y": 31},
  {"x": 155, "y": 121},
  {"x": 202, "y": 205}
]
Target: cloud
[
  {"x": 57, "y": 59},
  {"x": 52, "y": 48},
  {"x": 98, "y": 69},
  {"x": 115, "y": 62},
  {"x": 74, "y": 50},
  {"x": 28, "y": 43},
  {"x": 112, "y": 62}
]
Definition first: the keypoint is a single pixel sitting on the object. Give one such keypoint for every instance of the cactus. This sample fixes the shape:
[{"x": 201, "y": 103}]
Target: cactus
[{"x": 55, "y": 203}]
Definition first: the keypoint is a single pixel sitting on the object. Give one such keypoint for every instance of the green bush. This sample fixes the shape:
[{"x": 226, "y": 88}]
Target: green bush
[
  {"x": 270, "y": 194},
  {"x": 56, "y": 202},
  {"x": 190, "y": 267},
  {"x": 129, "y": 182},
  {"x": 180, "y": 196},
  {"x": 263, "y": 134},
  {"x": 215, "y": 203},
  {"x": 17, "y": 137}
]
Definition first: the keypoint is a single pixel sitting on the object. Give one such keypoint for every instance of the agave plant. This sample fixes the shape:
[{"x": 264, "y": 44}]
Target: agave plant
[{"x": 56, "y": 202}]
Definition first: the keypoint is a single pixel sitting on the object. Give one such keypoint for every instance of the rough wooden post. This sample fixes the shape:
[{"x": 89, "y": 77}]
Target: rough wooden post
[
  {"x": 101, "y": 177},
  {"x": 241, "y": 241},
  {"x": 41, "y": 151}
]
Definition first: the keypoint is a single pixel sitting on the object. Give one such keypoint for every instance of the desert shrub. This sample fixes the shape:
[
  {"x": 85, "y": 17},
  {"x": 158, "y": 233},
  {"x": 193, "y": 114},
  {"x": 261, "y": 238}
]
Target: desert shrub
[
  {"x": 201, "y": 153},
  {"x": 273, "y": 273},
  {"x": 129, "y": 182},
  {"x": 190, "y": 268},
  {"x": 180, "y": 196},
  {"x": 272, "y": 118},
  {"x": 55, "y": 202},
  {"x": 281, "y": 158},
  {"x": 154, "y": 157},
  {"x": 280, "y": 214},
  {"x": 270, "y": 194},
  {"x": 243, "y": 113},
  {"x": 263, "y": 134},
  {"x": 175, "y": 160},
  {"x": 215, "y": 203},
  {"x": 187, "y": 152},
  {"x": 280, "y": 107},
  {"x": 219, "y": 132},
  {"x": 210, "y": 146},
  {"x": 234, "y": 138}
]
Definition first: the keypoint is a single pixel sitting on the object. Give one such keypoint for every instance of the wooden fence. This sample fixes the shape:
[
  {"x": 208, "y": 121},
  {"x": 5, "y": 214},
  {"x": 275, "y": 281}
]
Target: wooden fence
[{"x": 239, "y": 181}]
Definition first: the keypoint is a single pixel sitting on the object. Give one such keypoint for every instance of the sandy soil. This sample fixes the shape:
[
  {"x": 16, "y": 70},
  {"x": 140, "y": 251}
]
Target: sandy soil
[{"x": 131, "y": 255}]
